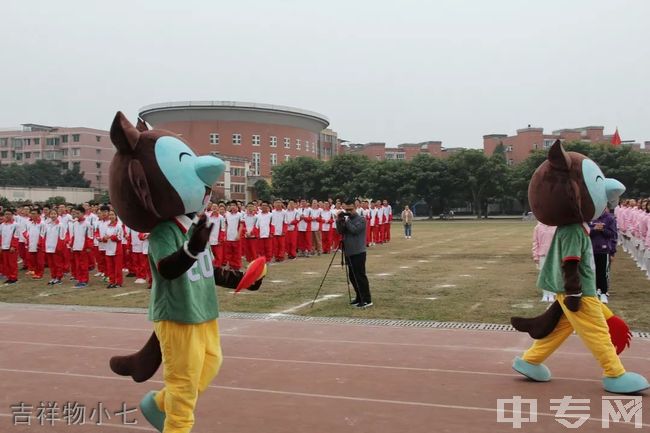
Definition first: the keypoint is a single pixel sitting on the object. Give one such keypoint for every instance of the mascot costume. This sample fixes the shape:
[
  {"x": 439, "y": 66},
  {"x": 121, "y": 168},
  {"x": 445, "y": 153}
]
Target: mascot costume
[
  {"x": 158, "y": 185},
  {"x": 568, "y": 190}
]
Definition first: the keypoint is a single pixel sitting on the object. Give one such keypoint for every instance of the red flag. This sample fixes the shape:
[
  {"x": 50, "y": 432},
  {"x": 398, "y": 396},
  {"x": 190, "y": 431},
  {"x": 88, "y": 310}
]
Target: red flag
[{"x": 616, "y": 139}]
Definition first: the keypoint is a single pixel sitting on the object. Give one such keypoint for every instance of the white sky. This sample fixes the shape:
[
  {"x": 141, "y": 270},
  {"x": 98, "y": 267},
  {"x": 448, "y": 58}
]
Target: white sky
[{"x": 394, "y": 71}]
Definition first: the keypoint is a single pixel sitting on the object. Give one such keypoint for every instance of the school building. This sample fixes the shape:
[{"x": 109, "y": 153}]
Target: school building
[
  {"x": 518, "y": 147},
  {"x": 250, "y": 138},
  {"x": 402, "y": 152},
  {"x": 89, "y": 149}
]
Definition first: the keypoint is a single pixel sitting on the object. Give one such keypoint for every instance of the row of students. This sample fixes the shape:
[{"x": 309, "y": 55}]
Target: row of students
[
  {"x": 284, "y": 231},
  {"x": 72, "y": 242},
  {"x": 633, "y": 220}
]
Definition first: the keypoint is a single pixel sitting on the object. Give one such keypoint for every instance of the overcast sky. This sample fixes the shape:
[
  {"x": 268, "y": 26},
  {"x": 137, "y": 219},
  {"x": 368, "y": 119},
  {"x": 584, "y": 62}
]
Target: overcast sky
[{"x": 393, "y": 71}]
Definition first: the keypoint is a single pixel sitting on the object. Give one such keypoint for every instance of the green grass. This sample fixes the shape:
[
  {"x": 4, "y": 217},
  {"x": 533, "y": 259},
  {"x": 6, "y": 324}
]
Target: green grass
[{"x": 472, "y": 271}]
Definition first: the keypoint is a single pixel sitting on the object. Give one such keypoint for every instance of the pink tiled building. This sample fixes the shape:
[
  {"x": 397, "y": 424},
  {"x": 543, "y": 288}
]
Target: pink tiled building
[{"x": 90, "y": 149}]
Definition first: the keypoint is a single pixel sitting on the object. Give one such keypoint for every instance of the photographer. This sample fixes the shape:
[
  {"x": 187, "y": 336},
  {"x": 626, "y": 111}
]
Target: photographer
[{"x": 352, "y": 228}]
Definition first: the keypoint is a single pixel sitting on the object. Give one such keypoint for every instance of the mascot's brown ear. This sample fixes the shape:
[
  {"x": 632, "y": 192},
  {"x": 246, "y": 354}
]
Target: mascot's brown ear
[
  {"x": 141, "y": 186},
  {"x": 123, "y": 135},
  {"x": 558, "y": 157},
  {"x": 141, "y": 125}
]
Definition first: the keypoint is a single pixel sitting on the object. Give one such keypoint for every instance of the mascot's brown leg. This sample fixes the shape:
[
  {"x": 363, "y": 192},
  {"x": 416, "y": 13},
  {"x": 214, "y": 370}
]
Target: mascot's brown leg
[
  {"x": 142, "y": 365},
  {"x": 540, "y": 326}
]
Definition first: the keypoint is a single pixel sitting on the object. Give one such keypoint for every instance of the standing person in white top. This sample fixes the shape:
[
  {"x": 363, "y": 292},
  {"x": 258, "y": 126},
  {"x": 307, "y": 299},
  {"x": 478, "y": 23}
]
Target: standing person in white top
[
  {"x": 234, "y": 229},
  {"x": 36, "y": 245},
  {"x": 82, "y": 243},
  {"x": 66, "y": 221},
  {"x": 316, "y": 222},
  {"x": 304, "y": 229},
  {"x": 22, "y": 219},
  {"x": 112, "y": 240},
  {"x": 55, "y": 242},
  {"x": 137, "y": 258},
  {"x": 278, "y": 217},
  {"x": 100, "y": 232},
  {"x": 388, "y": 218},
  {"x": 291, "y": 224},
  {"x": 265, "y": 242},
  {"x": 9, "y": 240},
  {"x": 218, "y": 234},
  {"x": 326, "y": 228}
]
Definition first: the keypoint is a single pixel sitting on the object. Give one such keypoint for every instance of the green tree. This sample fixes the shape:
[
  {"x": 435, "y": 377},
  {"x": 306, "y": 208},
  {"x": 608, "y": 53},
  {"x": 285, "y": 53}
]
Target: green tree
[
  {"x": 342, "y": 176},
  {"x": 263, "y": 190},
  {"x": 55, "y": 201},
  {"x": 301, "y": 177},
  {"x": 432, "y": 181}
]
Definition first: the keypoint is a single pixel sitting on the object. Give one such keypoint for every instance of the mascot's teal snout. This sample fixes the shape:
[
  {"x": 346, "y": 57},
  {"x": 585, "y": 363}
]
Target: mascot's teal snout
[{"x": 209, "y": 169}]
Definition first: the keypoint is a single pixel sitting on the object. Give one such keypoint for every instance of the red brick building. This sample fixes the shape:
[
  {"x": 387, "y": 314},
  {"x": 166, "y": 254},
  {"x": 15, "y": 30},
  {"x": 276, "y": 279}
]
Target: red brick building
[
  {"x": 403, "y": 152},
  {"x": 89, "y": 149},
  {"x": 518, "y": 147},
  {"x": 251, "y": 138}
]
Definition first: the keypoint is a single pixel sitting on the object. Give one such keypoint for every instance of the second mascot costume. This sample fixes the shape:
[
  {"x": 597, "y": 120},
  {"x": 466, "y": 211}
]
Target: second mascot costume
[
  {"x": 158, "y": 185},
  {"x": 567, "y": 191}
]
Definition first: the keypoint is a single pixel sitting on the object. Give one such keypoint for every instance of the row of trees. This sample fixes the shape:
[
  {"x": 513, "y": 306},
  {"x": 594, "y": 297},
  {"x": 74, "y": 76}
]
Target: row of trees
[
  {"x": 467, "y": 177},
  {"x": 42, "y": 174}
]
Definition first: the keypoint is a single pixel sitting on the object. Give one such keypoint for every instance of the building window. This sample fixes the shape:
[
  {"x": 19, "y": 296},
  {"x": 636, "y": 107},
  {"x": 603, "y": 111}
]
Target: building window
[
  {"x": 52, "y": 141},
  {"x": 4, "y": 154},
  {"x": 98, "y": 151},
  {"x": 4, "y": 142},
  {"x": 297, "y": 144},
  {"x": 274, "y": 159},
  {"x": 76, "y": 165},
  {"x": 214, "y": 138},
  {"x": 236, "y": 139},
  {"x": 64, "y": 139},
  {"x": 511, "y": 162},
  {"x": 287, "y": 158},
  {"x": 18, "y": 156},
  {"x": 98, "y": 138},
  {"x": 37, "y": 141},
  {"x": 548, "y": 143},
  {"x": 27, "y": 141},
  {"x": 287, "y": 142},
  {"x": 98, "y": 178},
  {"x": 75, "y": 138},
  {"x": 76, "y": 151},
  {"x": 237, "y": 172},
  {"x": 274, "y": 142},
  {"x": 255, "y": 165},
  {"x": 313, "y": 148},
  {"x": 399, "y": 156},
  {"x": 256, "y": 140},
  {"x": 98, "y": 165},
  {"x": 65, "y": 153},
  {"x": 508, "y": 148},
  {"x": 306, "y": 145},
  {"x": 238, "y": 188},
  {"x": 37, "y": 155},
  {"x": 28, "y": 155}
]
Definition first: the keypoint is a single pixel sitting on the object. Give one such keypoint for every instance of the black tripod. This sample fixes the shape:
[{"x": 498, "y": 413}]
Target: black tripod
[{"x": 347, "y": 277}]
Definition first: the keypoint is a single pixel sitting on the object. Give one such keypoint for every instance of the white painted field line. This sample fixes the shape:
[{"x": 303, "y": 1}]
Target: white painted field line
[
  {"x": 126, "y": 293},
  {"x": 304, "y": 304}
]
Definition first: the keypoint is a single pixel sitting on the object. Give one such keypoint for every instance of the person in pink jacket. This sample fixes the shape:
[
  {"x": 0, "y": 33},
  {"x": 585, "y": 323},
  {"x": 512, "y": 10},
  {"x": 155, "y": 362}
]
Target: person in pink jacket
[{"x": 542, "y": 237}]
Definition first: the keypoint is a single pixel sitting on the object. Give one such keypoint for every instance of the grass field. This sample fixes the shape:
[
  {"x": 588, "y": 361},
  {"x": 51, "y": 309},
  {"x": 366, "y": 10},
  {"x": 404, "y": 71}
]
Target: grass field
[{"x": 471, "y": 271}]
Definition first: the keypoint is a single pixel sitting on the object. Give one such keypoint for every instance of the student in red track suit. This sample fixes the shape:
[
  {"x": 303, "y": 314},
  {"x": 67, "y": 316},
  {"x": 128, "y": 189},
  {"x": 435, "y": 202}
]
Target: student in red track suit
[
  {"x": 112, "y": 239},
  {"x": 217, "y": 236},
  {"x": 9, "y": 243},
  {"x": 278, "y": 217},
  {"x": 326, "y": 228},
  {"x": 304, "y": 229},
  {"x": 291, "y": 224},
  {"x": 82, "y": 245},
  {"x": 388, "y": 218},
  {"x": 251, "y": 233},
  {"x": 55, "y": 243},
  {"x": 234, "y": 229},
  {"x": 35, "y": 241},
  {"x": 336, "y": 236},
  {"x": 100, "y": 232},
  {"x": 265, "y": 233},
  {"x": 145, "y": 267}
]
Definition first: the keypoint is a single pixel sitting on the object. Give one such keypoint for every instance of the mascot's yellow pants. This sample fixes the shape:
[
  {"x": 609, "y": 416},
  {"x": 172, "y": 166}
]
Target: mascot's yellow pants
[
  {"x": 590, "y": 324},
  {"x": 191, "y": 357}
]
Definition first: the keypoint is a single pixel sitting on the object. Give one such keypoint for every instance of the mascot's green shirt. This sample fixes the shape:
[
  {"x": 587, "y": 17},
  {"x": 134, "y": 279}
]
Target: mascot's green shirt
[
  {"x": 570, "y": 242},
  {"x": 190, "y": 298}
]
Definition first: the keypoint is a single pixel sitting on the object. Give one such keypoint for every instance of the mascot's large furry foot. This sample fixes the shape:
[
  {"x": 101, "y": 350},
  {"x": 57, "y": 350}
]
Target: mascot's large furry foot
[
  {"x": 538, "y": 373},
  {"x": 142, "y": 365},
  {"x": 151, "y": 412},
  {"x": 627, "y": 383},
  {"x": 540, "y": 326}
]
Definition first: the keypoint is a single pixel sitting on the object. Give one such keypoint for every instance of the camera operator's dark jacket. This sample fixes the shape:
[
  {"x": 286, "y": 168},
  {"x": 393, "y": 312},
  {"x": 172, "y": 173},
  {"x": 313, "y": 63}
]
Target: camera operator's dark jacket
[{"x": 354, "y": 234}]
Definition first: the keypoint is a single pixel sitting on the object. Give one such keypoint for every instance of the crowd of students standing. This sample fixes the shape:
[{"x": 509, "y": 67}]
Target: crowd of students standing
[{"x": 89, "y": 239}]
